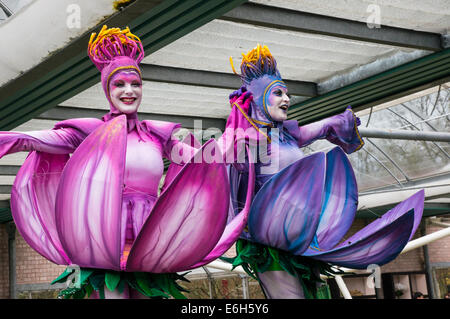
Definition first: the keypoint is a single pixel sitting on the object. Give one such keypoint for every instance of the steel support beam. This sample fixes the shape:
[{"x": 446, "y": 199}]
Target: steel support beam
[
  {"x": 286, "y": 19},
  {"x": 6, "y": 10},
  {"x": 405, "y": 135},
  {"x": 159, "y": 73},
  {"x": 10, "y": 170},
  {"x": 5, "y": 189},
  {"x": 61, "y": 113},
  {"x": 408, "y": 78}
]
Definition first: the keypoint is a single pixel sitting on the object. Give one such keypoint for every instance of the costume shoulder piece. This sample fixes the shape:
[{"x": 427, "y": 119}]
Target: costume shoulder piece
[
  {"x": 163, "y": 130},
  {"x": 85, "y": 125}
]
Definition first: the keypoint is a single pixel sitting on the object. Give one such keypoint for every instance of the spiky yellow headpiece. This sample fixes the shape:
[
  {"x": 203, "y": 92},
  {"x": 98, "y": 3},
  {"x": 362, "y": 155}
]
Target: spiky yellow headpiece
[
  {"x": 114, "y": 42},
  {"x": 256, "y": 63}
]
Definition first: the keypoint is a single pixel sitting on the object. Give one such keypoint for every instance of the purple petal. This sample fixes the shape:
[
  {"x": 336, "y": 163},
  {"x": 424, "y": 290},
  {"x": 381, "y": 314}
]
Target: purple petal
[
  {"x": 340, "y": 200},
  {"x": 378, "y": 248},
  {"x": 415, "y": 202},
  {"x": 285, "y": 212},
  {"x": 33, "y": 204},
  {"x": 380, "y": 241},
  {"x": 235, "y": 227},
  {"x": 187, "y": 220},
  {"x": 89, "y": 198}
]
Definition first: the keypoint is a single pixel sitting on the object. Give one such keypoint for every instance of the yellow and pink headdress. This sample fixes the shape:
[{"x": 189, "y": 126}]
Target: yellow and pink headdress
[{"x": 113, "y": 50}]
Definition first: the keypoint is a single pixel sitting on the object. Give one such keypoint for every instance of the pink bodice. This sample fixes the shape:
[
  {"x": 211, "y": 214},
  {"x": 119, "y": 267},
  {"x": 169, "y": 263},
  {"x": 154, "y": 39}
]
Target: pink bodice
[{"x": 144, "y": 166}]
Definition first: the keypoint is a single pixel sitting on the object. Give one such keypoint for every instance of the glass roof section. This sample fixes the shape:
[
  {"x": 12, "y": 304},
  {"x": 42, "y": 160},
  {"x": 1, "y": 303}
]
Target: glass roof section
[
  {"x": 9, "y": 7},
  {"x": 397, "y": 163}
]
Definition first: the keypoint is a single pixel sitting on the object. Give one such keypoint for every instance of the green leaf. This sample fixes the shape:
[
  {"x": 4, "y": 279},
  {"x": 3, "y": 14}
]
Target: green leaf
[
  {"x": 173, "y": 290},
  {"x": 97, "y": 281},
  {"x": 141, "y": 280},
  {"x": 63, "y": 276},
  {"x": 274, "y": 253},
  {"x": 89, "y": 290},
  {"x": 161, "y": 281},
  {"x": 79, "y": 294},
  {"x": 121, "y": 286},
  {"x": 101, "y": 293},
  {"x": 85, "y": 273},
  {"x": 112, "y": 280}
]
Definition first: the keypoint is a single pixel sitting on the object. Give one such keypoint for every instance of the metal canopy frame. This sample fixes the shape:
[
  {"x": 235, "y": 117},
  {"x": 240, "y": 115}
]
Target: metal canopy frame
[
  {"x": 5, "y": 9},
  {"x": 212, "y": 79},
  {"x": 403, "y": 80},
  {"x": 286, "y": 19}
]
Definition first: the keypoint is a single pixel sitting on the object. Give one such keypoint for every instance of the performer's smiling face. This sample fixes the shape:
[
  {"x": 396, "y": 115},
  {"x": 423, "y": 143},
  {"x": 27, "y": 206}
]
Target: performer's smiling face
[
  {"x": 278, "y": 103},
  {"x": 125, "y": 89}
]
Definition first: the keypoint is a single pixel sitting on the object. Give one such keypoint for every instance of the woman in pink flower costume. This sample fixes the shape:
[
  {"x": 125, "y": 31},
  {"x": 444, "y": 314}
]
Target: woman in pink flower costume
[
  {"x": 303, "y": 205},
  {"x": 99, "y": 211}
]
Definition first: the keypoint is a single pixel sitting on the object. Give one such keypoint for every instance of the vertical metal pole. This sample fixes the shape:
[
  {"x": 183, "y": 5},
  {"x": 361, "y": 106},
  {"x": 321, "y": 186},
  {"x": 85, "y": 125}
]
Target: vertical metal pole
[
  {"x": 11, "y": 229},
  {"x": 245, "y": 293},
  {"x": 342, "y": 287},
  {"x": 208, "y": 275},
  {"x": 426, "y": 256}
]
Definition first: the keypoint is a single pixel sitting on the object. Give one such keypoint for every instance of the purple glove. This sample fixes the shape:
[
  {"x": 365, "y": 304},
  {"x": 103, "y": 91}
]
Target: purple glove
[{"x": 358, "y": 121}]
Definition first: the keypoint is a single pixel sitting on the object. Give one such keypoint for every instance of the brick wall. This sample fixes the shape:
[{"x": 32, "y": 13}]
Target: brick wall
[
  {"x": 31, "y": 267},
  {"x": 438, "y": 250}
]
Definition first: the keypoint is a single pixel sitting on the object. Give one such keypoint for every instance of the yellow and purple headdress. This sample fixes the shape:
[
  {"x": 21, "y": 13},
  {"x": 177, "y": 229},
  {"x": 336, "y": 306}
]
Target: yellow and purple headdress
[
  {"x": 113, "y": 50},
  {"x": 259, "y": 73}
]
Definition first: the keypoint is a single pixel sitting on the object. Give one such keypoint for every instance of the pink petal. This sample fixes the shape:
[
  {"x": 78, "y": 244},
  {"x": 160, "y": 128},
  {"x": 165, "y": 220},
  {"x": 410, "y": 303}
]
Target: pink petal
[
  {"x": 187, "y": 221},
  {"x": 89, "y": 198},
  {"x": 33, "y": 204}
]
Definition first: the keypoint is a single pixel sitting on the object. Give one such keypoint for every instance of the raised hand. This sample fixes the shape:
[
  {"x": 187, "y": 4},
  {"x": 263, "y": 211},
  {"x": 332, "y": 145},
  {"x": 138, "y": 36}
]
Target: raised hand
[
  {"x": 242, "y": 97},
  {"x": 358, "y": 120}
]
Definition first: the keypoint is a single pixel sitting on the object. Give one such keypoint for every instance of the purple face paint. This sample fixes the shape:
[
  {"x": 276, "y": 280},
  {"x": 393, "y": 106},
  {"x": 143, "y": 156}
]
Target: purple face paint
[
  {"x": 277, "y": 101},
  {"x": 262, "y": 88}
]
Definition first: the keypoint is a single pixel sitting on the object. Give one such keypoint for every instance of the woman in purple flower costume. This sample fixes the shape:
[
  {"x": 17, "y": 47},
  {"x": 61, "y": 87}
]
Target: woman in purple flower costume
[
  {"x": 99, "y": 210},
  {"x": 303, "y": 205}
]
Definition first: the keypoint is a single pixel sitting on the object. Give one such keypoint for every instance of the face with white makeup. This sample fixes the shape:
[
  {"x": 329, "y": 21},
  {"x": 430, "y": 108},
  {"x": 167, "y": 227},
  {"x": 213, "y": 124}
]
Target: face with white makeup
[
  {"x": 270, "y": 97},
  {"x": 125, "y": 90},
  {"x": 278, "y": 103}
]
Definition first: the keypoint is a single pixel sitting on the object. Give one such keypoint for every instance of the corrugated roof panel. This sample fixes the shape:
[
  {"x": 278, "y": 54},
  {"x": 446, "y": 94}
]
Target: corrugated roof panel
[{"x": 300, "y": 56}]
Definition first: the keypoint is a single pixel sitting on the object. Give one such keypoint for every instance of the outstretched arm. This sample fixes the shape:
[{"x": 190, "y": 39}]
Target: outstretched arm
[
  {"x": 341, "y": 129},
  {"x": 59, "y": 141}
]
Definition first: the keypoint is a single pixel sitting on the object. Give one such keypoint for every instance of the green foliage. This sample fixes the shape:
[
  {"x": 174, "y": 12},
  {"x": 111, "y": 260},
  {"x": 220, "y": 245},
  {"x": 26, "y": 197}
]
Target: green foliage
[
  {"x": 254, "y": 258},
  {"x": 148, "y": 284},
  {"x": 112, "y": 279}
]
